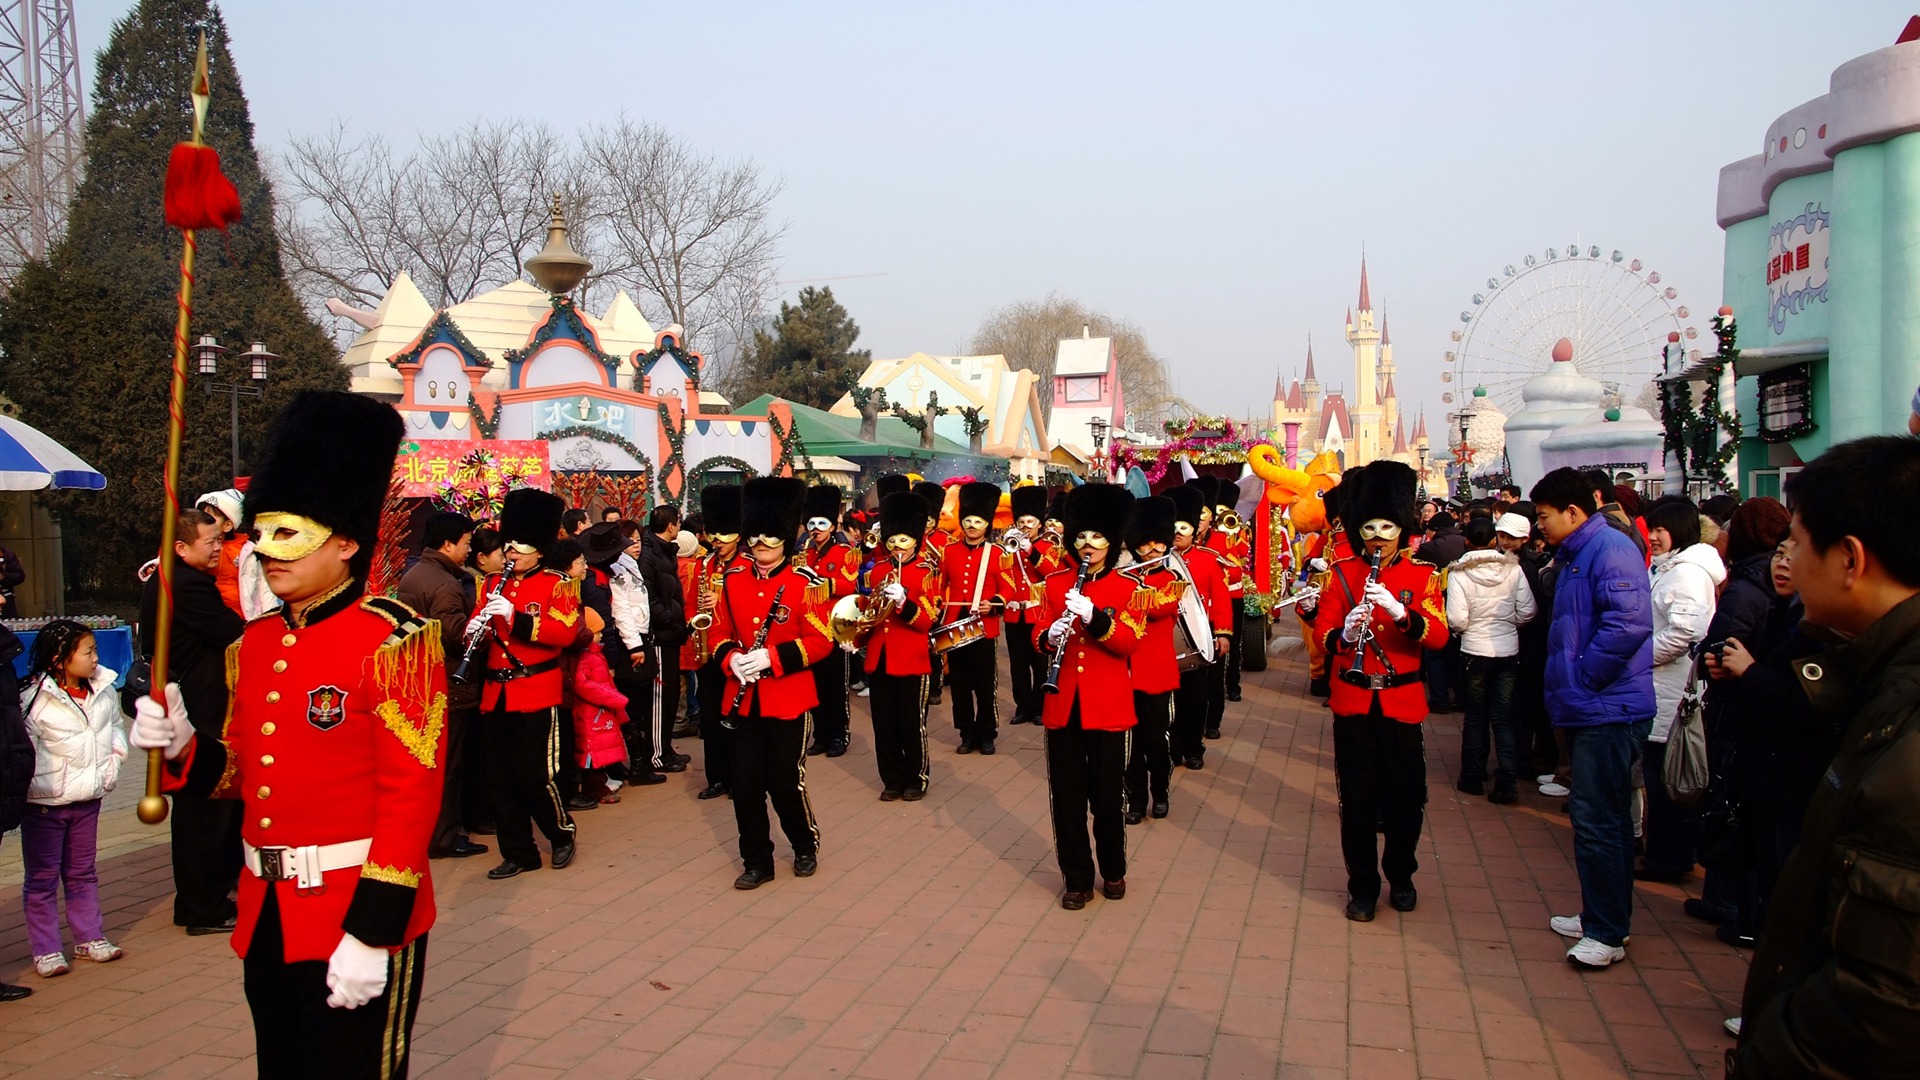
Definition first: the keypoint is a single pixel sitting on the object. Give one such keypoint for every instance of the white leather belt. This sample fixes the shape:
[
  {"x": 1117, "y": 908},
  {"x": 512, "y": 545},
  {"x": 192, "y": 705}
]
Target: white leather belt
[{"x": 305, "y": 866}]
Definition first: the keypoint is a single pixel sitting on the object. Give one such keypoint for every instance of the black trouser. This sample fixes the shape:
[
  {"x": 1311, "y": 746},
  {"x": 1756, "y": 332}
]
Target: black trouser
[
  {"x": 1217, "y": 689},
  {"x": 298, "y": 1036},
  {"x": 770, "y": 765},
  {"x": 450, "y": 828},
  {"x": 566, "y": 774},
  {"x": 663, "y": 706},
  {"x": 899, "y": 705},
  {"x": 713, "y": 737},
  {"x": 1086, "y": 770},
  {"x": 1672, "y": 831},
  {"x": 1381, "y": 766},
  {"x": 523, "y": 752},
  {"x": 1233, "y": 650},
  {"x": 1190, "y": 705},
  {"x": 1026, "y": 670},
  {"x": 830, "y": 686},
  {"x": 641, "y": 731},
  {"x": 973, "y": 671},
  {"x": 206, "y": 858},
  {"x": 1149, "y": 766},
  {"x": 476, "y": 800}
]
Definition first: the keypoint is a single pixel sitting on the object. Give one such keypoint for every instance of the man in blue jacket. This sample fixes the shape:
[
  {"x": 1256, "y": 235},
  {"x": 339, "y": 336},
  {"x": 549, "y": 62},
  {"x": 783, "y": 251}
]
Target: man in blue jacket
[{"x": 1599, "y": 691}]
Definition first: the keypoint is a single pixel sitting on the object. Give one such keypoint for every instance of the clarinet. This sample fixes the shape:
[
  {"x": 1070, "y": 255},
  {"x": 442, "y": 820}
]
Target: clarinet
[
  {"x": 759, "y": 642},
  {"x": 478, "y": 642},
  {"x": 1354, "y": 674},
  {"x": 1052, "y": 685}
]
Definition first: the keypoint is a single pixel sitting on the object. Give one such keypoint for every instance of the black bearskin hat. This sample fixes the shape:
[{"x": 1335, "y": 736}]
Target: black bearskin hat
[
  {"x": 934, "y": 496},
  {"x": 979, "y": 499},
  {"x": 1387, "y": 490},
  {"x": 1101, "y": 508},
  {"x": 532, "y": 517},
  {"x": 330, "y": 459},
  {"x": 1336, "y": 497},
  {"x": 823, "y": 501},
  {"x": 720, "y": 509},
  {"x": 1029, "y": 501},
  {"x": 1208, "y": 487},
  {"x": 1187, "y": 503},
  {"x": 1152, "y": 521},
  {"x": 1056, "y": 507},
  {"x": 773, "y": 506},
  {"x": 892, "y": 483},
  {"x": 903, "y": 514}
]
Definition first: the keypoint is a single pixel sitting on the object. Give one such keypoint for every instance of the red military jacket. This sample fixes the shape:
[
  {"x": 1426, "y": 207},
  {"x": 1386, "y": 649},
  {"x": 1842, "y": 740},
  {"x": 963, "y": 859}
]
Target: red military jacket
[
  {"x": 837, "y": 563},
  {"x": 1156, "y": 596},
  {"x": 960, "y": 571},
  {"x": 1210, "y": 581},
  {"x": 708, "y": 572},
  {"x": 1094, "y": 671},
  {"x": 1233, "y": 559},
  {"x": 898, "y": 644},
  {"x": 1029, "y": 579},
  {"x": 333, "y": 734},
  {"x": 1417, "y": 586},
  {"x": 523, "y": 653},
  {"x": 798, "y": 640}
]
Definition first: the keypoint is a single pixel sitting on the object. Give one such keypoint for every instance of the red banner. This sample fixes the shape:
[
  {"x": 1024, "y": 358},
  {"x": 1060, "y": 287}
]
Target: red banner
[{"x": 425, "y": 467}]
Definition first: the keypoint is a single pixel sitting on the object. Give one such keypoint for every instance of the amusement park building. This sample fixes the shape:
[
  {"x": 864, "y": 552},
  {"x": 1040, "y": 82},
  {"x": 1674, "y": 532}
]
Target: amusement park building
[{"x": 1823, "y": 266}]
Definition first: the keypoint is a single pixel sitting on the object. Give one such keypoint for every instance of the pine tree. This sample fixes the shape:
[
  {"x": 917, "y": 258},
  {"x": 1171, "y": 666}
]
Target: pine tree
[
  {"x": 808, "y": 355},
  {"x": 86, "y": 338}
]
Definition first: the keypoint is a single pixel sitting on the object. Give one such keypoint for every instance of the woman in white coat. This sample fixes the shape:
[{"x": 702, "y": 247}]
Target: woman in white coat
[
  {"x": 1685, "y": 580},
  {"x": 1488, "y": 600}
]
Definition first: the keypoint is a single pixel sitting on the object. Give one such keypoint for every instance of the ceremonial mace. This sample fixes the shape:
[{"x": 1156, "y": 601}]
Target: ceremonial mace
[{"x": 196, "y": 196}]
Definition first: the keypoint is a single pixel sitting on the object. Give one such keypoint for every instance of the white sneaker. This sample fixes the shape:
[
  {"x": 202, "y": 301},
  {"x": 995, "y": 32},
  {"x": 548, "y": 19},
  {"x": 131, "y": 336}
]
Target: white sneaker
[
  {"x": 1555, "y": 791},
  {"x": 1590, "y": 953},
  {"x": 864, "y": 692},
  {"x": 50, "y": 965},
  {"x": 101, "y": 951},
  {"x": 1544, "y": 778},
  {"x": 1732, "y": 1025},
  {"x": 1567, "y": 926}
]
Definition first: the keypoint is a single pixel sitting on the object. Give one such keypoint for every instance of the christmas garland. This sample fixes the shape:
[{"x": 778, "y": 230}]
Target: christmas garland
[
  {"x": 689, "y": 361},
  {"x": 564, "y": 311},
  {"x": 597, "y": 435},
  {"x": 676, "y": 457},
  {"x": 1715, "y": 420},
  {"x": 441, "y": 324},
  {"x": 700, "y": 471},
  {"x": 788, "y": 447},
  {"x": 488, "y": 427},
  {"x": 1230, "y": 447}
]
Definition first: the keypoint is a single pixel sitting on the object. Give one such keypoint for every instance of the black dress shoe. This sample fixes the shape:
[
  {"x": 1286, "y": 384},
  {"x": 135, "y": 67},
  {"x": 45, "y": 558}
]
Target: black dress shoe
[
  {"x": 1361, "y": 910},
  {"x": 1503, "y": 796},
  {"x": 965, "y": 748},
  {"x": 645, "y": 779},
  {"x": 753, "y": 879},
  {"x": 507, "y": 869},
  {"x": 583, "y": 802},
  {"x": 890, "y": 795},
  {"x": 837, "y": 749},
  {"x": 562, "y": 855},
  {"x": 10, "y": 992},
  {"x": 913, "y": 794},
  {"x": 1213, "y": 733},
  {"x": 805, "y": 865},
  {"x": 1470, "y": 787},
  {"x": 1160, "y": 809},
  {"x": 1233, "y": 695},
  {"x": 1135, "y": 817},
  {"x": 1196, "y": 762},
  {"x": 467, "y": 849},
  {"x": 1404, "y": 899},
  {"x": 712, "y": 791},
  {"x": 1074, "y": 901},
  {"x": 987, "y": 749},
  {"x": 1319, "y": 687},
  {"x": 673, "y": 766},
  {"x": 816, "y": 749},
  {"x": 1700, "y": 909}
]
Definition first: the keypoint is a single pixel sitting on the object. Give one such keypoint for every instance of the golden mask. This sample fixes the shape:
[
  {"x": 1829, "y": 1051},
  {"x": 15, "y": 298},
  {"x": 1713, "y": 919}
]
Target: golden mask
[{"x": 289, "y": 537}]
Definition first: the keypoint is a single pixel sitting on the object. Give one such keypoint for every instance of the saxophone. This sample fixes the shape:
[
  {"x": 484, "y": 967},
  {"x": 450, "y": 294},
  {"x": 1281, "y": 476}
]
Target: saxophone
[{"x": 702, "y": 620}]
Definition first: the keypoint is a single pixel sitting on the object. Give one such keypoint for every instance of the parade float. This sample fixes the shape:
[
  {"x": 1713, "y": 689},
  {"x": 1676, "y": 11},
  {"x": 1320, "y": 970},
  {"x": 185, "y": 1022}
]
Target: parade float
[{"x": 521, "y": 386}]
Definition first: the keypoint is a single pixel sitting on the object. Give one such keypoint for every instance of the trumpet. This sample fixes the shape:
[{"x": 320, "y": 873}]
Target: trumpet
[{"x": 1228, "y": 522}]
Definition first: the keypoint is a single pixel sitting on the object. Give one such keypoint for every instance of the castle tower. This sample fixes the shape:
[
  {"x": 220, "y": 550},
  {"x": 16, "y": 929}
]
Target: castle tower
[
  {"x": 1310, "y": 383},
  {"x": 1389, "y": 404},
  {"x": 1366, "y": 414}
]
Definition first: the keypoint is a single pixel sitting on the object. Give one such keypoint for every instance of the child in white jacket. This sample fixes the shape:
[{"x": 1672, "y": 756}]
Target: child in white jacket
[
  {"x": 73, "y": 717},
  {"x": 1487, "y": 601}
]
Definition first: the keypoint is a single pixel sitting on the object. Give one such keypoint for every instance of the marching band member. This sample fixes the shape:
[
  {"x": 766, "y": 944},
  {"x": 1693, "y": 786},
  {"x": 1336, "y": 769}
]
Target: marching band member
[
  {"x": 975, "y": 572},
  {"x": 720, "y": 508},
  {"x": 935, "y": 542},
  {"x": 1374, "y": 627},
  {"x": 1025, "y": 664},
  {"x": 1194, "y": 698},
  {"x": 1156, "y": 672},
  {"x": 1232, "y": 541},
  {"x": 769, "y": 628},
  {"x": 333, "y": 740},
  {"x": 837, "y": 561},
  {"x": 905, "y": 587},
  {"x": 1091, "y": 629}
]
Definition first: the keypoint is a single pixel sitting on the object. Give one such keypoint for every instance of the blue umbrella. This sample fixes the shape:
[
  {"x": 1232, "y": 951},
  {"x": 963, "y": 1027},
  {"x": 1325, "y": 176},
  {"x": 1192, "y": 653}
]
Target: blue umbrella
[{"x": 29, "y": 461}]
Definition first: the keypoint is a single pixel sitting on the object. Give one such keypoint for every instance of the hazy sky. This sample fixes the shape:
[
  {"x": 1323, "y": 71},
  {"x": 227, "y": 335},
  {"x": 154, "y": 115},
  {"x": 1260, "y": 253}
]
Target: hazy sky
[{"x": 1209, "y": 171}]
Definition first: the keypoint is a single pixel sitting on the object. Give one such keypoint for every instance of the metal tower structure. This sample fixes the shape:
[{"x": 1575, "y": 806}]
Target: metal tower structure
[{"x": 41, "y": 116}]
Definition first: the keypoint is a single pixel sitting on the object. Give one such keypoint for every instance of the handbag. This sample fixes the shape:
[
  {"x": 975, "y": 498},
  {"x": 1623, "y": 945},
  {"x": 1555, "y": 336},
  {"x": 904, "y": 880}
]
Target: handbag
[{"x": 1686, "y": 771}]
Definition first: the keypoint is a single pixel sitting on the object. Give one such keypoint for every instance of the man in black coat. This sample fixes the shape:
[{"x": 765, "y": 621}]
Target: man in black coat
[
  {"x": 437, "y": 587},
  {"x": 667, "y": 627},
  {"x": 206, "y": 832},
  {"x": 16, "y": 760}
]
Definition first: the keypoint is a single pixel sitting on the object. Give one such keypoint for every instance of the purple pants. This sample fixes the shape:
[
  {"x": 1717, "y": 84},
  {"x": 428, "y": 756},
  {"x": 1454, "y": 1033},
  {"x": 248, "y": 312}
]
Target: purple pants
[{"x": 57, "y": 845}]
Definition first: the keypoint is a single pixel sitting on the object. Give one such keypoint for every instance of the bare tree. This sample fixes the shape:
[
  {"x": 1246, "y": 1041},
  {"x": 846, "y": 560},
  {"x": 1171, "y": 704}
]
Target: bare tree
[{"x": 1028, "y": 333}]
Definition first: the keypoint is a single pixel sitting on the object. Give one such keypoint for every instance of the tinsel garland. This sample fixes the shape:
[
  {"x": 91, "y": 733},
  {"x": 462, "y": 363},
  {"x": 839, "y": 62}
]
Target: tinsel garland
[{"x": 1229, "y": 448}]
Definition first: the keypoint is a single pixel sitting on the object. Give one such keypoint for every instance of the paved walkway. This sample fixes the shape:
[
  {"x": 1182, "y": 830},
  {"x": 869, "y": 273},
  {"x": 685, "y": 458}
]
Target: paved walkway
[{"x": 931, "y": 944}]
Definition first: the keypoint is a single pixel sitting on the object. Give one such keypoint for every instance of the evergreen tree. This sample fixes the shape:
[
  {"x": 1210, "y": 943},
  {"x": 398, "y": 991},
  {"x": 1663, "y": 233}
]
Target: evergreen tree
[
  {"x": 86, "y": 338},
  {"x": 807, "y": 355}
]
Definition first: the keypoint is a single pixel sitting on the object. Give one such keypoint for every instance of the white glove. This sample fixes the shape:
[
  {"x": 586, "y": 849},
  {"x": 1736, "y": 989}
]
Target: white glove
[
  {"x": 1012, "y": 607},
  {"x": 1384, "y": 599},
  {"x": 356, "y": 973},
  {"x": 1058, "y": 632},
  {"x": 1316, "y": 564},
  {"x": 1026, "y": 545},
  {"x": 165, "y": 729},
  {"x": 1356, "y": 619},
  {"x": 895, "y": 593},
  {"x": 498, "y": 607},
  {"x": 1079, "y": 606},
  {"x": 849, "y": 648},
  {"x": 750, "y": 664}
]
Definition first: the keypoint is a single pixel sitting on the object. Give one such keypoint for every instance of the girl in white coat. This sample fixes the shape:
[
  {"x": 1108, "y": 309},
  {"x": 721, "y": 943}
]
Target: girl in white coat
[
  {"x": 1487, "y": 601},
  {"x": 1685, "y": 579},
  {"x": 73, "y": 717}
]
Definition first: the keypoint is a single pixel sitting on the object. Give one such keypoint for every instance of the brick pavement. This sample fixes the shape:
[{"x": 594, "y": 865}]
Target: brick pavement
[{"x": 931, "y": 944}]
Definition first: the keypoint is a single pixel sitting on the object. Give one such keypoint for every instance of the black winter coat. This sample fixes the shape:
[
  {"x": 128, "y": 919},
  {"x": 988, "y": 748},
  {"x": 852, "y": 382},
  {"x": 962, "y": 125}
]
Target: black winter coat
[
  {"x": 203, "y": 627},
  {"x": 16, "y": 749},
  {"x": 666, "y": 607},
  {"x": 1784, "y": 745}
]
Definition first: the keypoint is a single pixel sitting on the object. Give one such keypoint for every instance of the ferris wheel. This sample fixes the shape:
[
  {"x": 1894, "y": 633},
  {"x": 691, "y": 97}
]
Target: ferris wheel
[{"x": 1616, "y": 313}]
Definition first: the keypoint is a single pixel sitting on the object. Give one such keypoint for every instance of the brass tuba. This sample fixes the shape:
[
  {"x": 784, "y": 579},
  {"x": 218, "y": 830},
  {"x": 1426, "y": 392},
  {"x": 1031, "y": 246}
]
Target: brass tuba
[{"x": 855, "y": 616}]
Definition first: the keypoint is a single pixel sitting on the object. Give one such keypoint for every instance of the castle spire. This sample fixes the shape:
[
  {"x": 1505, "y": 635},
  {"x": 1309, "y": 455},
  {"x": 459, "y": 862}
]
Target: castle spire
[
  {"x": 1366, "y": 297},
  {"x": 1386, "y": 338},
  {"x": 1400, "y": 437},
  {"x": 1311, "y": 377},
  {"x": 1420, "y": 428}
]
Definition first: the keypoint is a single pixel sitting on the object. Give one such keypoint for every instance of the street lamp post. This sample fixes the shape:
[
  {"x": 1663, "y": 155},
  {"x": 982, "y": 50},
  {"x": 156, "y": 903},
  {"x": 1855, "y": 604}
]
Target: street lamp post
[
  {"x": 1423, "y": 474},
  {"x": 1466, "y": 459},
  {"x": 207, "y": 353},
  {"x": 1099, "y": 426}
]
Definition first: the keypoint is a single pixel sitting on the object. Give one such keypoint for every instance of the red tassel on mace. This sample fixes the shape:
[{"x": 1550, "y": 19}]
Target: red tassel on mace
[{"x": 198, "y": 194}]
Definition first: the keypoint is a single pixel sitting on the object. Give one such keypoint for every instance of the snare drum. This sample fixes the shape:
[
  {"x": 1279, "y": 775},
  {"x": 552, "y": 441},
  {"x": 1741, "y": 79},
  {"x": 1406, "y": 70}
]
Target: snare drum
[{"x": 957, "y": 633}]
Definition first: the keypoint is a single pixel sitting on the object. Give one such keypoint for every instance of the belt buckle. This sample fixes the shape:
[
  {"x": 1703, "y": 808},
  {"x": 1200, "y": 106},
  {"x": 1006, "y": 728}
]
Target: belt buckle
[
  {"x": 1377, "y": 682},
  {"x": 270, "y": 865}
]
